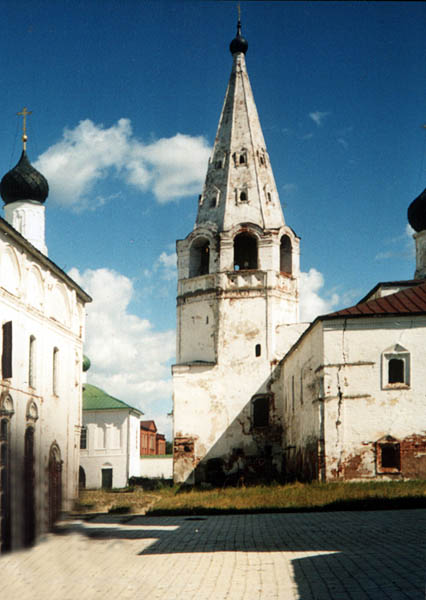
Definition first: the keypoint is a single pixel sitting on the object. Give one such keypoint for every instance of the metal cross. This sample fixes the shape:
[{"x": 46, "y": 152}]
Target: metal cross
[{"x": 24, "y": 113}]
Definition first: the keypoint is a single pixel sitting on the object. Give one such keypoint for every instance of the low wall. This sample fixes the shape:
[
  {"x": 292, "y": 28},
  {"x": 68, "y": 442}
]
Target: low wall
[{"x": 156, "y": 466}]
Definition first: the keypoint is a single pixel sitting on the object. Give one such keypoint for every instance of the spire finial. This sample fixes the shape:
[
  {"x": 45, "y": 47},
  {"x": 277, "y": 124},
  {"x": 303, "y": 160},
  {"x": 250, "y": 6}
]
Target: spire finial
[
  {"x": 24, "y": 114},
  {"x": 238, "y": 44}
]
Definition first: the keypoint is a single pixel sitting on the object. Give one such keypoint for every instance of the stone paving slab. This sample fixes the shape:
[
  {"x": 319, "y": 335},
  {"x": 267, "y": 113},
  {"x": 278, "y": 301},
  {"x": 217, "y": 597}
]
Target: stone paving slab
[{"x": 307, "y": 556}]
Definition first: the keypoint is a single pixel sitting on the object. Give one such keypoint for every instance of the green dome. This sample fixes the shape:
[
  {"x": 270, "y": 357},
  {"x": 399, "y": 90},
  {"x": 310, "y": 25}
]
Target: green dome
[{"x": 86, "y": 363}]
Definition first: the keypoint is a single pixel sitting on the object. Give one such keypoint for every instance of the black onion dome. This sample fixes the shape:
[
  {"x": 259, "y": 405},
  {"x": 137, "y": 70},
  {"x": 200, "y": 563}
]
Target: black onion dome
[
  {"x": 238, "y": 44},
  {"x": 417, "y": 212},
  {"x": 23, "y": 182}
]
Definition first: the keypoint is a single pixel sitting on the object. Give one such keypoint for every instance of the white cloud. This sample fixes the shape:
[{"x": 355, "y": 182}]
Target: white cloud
[
  {"x": 289, "y": 188},
  {"x": 403, "y": 246},
  {"x": 318, "y": 117},
  {"x": 311, "y": 303},
  {"x": 130, "y": 360},
  {"x": 166, "y": 265},
  {"x": 170, "y": 167}
]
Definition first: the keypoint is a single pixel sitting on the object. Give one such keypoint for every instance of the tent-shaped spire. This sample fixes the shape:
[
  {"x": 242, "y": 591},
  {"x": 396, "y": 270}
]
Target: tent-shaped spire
[{"x": 240, "y": 185}]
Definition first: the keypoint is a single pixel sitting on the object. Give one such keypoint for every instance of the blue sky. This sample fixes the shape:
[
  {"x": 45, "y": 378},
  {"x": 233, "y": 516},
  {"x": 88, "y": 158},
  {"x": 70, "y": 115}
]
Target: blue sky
[{"x": 126, "y": 98}]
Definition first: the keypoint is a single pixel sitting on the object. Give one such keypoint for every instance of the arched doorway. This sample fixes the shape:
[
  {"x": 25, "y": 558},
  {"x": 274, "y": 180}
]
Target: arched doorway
[
  {"x": 5, "y": 514},
  {"x": 55, "y": 484},
  {"x": 245, "y": 252},
  {"x": 29, "y": 488},
  {"x": 81, "y": 478}
]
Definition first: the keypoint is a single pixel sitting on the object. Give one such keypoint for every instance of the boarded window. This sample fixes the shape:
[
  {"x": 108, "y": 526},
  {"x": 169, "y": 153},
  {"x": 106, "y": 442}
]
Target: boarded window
[
  {"x": 261, "y": 411},
  {"x": 6, "y": 357}
]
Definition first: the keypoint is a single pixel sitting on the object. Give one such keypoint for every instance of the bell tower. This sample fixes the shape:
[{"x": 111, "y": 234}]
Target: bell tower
[{"x": 238, "y": 278}]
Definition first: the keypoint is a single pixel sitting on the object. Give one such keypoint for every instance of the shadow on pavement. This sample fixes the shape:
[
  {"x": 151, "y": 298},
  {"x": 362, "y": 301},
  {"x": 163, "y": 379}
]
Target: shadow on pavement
[{"x": 334, "y": 555}]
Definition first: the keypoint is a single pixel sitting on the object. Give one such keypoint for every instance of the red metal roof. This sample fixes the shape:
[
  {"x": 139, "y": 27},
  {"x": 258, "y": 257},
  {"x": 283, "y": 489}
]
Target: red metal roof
[{"x": 408, "y": 301}]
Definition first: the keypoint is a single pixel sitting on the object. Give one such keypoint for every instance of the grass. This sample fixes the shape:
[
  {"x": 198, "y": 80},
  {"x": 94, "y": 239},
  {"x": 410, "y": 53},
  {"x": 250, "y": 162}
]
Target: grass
[{"x": 274, "y": 498}]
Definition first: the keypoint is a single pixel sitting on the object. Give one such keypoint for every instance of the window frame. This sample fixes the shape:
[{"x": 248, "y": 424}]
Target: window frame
[
  {"x": 382, "y": 443},
  {"x": 396, "y": 352}
]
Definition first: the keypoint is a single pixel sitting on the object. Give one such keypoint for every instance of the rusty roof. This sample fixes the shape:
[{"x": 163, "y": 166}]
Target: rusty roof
[{"x": 408, "y": 301}]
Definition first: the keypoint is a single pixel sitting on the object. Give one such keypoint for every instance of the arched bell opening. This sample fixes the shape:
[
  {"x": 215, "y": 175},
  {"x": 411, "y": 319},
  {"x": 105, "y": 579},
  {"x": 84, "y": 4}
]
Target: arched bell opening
[
  {"x": 245, "y": 252},
  {"x": 285, "y": 255},
  {"x": 199, "y": 258}
]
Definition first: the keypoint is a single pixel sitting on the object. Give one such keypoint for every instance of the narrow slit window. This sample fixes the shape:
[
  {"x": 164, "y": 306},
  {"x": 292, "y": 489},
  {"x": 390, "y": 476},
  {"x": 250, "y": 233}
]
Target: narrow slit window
[
  {"x": 31, "y": 362},
  {"x": 55, "y": 371},
  {"x": 258, "y": 350},
  {"x": 6, "y": 357}
]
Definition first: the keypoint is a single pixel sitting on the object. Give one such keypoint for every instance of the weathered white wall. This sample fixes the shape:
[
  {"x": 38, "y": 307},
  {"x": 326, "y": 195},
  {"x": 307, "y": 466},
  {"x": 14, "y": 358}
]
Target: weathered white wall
[
  {"x": 112, "y": 442},
  {"x": 154, "y": 466},
  {"x": 42, "y": 305},
  {"x": 347, "y": 403}
]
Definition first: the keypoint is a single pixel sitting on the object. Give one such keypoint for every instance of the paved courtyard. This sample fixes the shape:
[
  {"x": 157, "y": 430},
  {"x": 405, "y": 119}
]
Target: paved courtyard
[{"x": 356, "y": 555}]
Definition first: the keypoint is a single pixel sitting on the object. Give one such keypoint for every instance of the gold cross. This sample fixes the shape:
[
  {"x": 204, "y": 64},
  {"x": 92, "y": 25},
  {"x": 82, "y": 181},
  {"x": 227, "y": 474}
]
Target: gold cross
[
  {"x": 24, "y": 113},
  {"x": 239, "y": 11}
]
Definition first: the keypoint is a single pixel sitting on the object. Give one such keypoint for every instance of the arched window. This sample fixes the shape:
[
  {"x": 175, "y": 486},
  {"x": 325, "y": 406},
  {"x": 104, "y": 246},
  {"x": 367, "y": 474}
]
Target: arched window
[
  {"x": 243, "y": 196},
  {"x": 55, "y": 371},
  {"x": 285, "y": 255},
  {"x": 242, "y": 159},
  {"x": 31, "y": 362},
  {"x": 245, "y": 252},
  {"x": 55, "y": 484},
  {"x": 396, "y": 367},
  {"x": 199, "y": 258}
]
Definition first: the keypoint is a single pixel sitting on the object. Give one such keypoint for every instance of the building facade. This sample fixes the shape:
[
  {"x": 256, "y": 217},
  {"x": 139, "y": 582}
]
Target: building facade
[
  {"x": 42, "y": 330},
  {"x": 110, "y": 440}
]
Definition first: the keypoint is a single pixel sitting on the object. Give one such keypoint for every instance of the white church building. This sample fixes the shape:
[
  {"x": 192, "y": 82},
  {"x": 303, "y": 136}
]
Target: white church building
[
  {"x": 41, "y": 339},
  {"x": 257, "y": 394}
]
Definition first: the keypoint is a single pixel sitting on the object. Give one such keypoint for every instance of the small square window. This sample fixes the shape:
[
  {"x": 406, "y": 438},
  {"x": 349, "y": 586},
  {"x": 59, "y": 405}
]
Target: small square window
[{"x": 388, "y": 455}]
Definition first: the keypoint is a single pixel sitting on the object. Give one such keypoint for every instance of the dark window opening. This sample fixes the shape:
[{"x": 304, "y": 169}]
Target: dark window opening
[
  {"x": 390, "y": 456},
  {"x": 243, "y": 197},
  {"x": 245, "y": 252},
  {"x": 268, "y": 196},
  {"x": 396, "y": 370},
  {"x": 242, "y": 159},
  {"x": 261, "y": 412},
  {"x": 83, "y": 438},
  {"x": 285, "y": 255},
  {"x": 213, "y": 203},
  {"x": 218, "y": 164},
  {"x": 6, "y": 357},
  {"x": 258, "y": 350},
  {"x": 199, "y": 258}
]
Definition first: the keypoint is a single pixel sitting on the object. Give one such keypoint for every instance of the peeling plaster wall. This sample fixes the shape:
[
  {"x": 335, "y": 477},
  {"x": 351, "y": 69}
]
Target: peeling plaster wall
[{"x": 356, "y": 406}]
